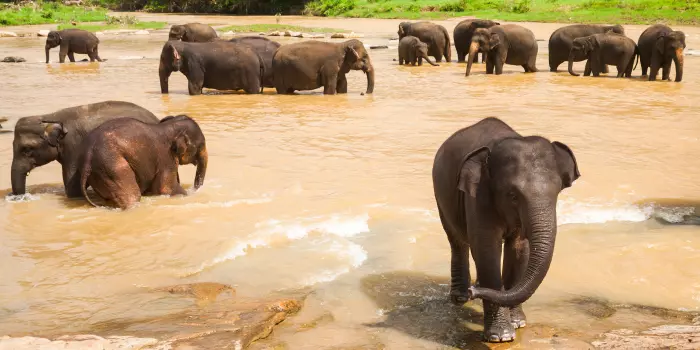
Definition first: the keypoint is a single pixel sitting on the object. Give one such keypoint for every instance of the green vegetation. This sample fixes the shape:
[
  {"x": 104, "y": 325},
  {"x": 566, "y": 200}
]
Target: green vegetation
[
  {"x": 48, "y": 12},
  {"x": 240, "y": 7},
  {"x": 278, "y": 27},
  {"x": 92, "y": 27}
]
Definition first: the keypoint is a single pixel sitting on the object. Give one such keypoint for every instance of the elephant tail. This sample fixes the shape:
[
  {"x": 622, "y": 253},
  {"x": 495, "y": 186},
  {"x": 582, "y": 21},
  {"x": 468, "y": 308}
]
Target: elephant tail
[
  {"x": 636, "y": 53},
  {"x": 84, "y": 174},
  {"x": 448, "y": 45},
  {"x": 262, "y": 73}
]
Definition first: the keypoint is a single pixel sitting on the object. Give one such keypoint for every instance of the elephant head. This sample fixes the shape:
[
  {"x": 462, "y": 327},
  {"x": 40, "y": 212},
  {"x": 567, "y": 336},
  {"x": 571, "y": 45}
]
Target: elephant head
[
  {"x": 404, "y": 29},
  {"x": 52, "y": 40},
  {"x": 178, "y": 32},
  {"x": 422, "y": 51},
  {"x": 170, "y": 61},
  {"x": 36, "y": 143},
  {"x": 521, "y": 179},
  {"x": 357, "y": 58},
  {"x": 580, "y": 49},
  {"x": 482, "y": 23},
  {"x": 188, "y": 144},
  {"x": 671, "y": 46},
  {"x": 483, "y": 40}
]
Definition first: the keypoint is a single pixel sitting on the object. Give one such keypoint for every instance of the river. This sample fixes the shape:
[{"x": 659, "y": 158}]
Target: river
[{"x": 334, "y": 193}]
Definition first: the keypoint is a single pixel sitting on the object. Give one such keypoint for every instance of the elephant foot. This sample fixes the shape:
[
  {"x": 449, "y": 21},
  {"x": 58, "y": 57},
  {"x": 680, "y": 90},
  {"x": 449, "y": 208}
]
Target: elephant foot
[
  {"x": 459, "y": 298},
  {"x": 497, "y": 324},
  {"x": 517, "y": 317}
]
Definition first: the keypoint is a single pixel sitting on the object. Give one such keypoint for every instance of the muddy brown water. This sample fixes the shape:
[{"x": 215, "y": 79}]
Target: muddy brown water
[{"x": 334, "y": 193}]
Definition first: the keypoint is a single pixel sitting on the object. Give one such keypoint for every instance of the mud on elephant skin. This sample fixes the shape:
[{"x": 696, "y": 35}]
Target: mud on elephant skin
[
  {"x": 561, "y": 41},
  {"x": 603, "y": 49},
  {"x": 506, "y": 44},
  {"x": 192, "y": 32},
  {"x": 434, "y": 35},
  {"x": 494, "y": 186},
  {"x": 72, "y": 41},
  {"x": 313, "y": 64},
  {"x": 264, "y": 47},
  {"x": 659, "y": 45},
  {"x": 413, "y": 51},
  {"x": 41, "y": 139},
  {"x": 463, "y": 33},
  {"x": 125, "y": 158}
]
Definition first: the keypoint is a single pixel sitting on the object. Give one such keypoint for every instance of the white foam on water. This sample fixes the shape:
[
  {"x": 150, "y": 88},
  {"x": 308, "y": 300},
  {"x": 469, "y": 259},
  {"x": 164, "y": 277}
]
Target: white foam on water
[
  {"x": 27, "y": 197},
  {"x": 343, "y": 249},
  {"x": 226, "y": 204},
  {"x": 131, "y": 57},
  {"x": 569, "y": 212}
]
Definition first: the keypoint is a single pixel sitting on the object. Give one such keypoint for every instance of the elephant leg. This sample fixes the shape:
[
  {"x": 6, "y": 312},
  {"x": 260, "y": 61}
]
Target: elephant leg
[
  {"x": 554, "y": 63},
  {"x": 666, "y": 73},
  {"x": 168, "y": 184},
  {"x": 70, "y": 56},
  {"x": 459, "y": 264},
  {"x": 96, "y": 53},
  {"x": 515, "y": 256},
  {"x": 461, "y": 55},
  {"x": 194, "y": 87},
  {"x": 644, "y": 69},
  {"x": 531, "y": 65},
  {"x": 654, "y": 69},
  {"x": 498, "y": 66},
  {"x": 605, "y": 69},
  {"x": 342, "y": 86},
  {"x": 438, "y": 57},
  {"x": 420, "y": 61},
  {"x": 122, "y": 188},
  {"x": 483, "y": 58},
  {"x": 62, "y": 54},
  {"x": 71, "y": 180},
  {"x": 489, "y": 65},
  {"x": 587, "y": 70},
  {"x": 330, "y": 81}
]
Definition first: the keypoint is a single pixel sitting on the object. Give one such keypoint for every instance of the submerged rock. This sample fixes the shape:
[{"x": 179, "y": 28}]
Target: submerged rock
[
  {"x": 313, "y": 36},
  {"x": 83, "y": 341},
  {"x": 292, "y": 34},
  {"x": 202, "y": 291},
  {"x": 43, "y": 32},
  {"x": 346, "y": 35},
  {"x": 376, "y": 47},
  {"x": 662, "y": 337},
  {"x": 5, "y": 34},
  {"x": 13, "y": 59}
]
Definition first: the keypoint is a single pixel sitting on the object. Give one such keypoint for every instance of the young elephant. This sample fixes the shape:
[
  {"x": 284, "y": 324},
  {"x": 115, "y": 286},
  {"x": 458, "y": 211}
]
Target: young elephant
[
  {"x": 463, "y": 36},
  {"x": 494, "y": 186},
  {"x": 434, "y": 35},
  {"x": 220, "y": 65},
  {"x": 73, "y": 41},
  {"x": 660, "y": 45},
  {"x": 504, "y": 44},
  {"x": 562, "y": 39},
  {"x": 412, "y": 50},
  {"x": 266, "y": 48},
  {"x": 313, "y": 64},
  {"x": 125, "y": 158},
  {"x": 601, "y": 49},
  {"x": 193, "y": 33}
]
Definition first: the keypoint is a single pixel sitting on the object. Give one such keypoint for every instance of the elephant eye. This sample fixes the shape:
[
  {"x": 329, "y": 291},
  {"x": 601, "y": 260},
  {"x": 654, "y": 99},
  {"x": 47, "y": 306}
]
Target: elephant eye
[
  {"x": 513, "y": 196},
  {"x": 27, "y": 151}
]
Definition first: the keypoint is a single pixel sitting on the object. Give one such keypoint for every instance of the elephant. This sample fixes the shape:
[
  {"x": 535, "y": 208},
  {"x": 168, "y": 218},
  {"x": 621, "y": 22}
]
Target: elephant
[
  {"x": 266, "y": 48},
  {"x": 463, "y": 33},
  {"x": 660, "y": 45},
  {"x": 412, "y": 50},
  {"x": 125, "y": 158},
  {"x": 313, "y": 64},
  {"x": 73, "y": 41},
  {"x": 494, "y": 186},
  {"x": 193, "y": 33},
  {"x": 509, "y": 44},
  {"x": 434, "y": 35},
  {"x": 602, "y": 49},
  {"x": 217, "y": 65},
  {"x": 562, "y": 39},
  {"x": 42, "y": 139}
]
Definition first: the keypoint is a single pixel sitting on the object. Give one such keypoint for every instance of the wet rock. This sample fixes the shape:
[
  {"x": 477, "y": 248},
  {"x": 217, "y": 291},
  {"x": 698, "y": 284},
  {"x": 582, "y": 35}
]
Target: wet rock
[
  {"x": 595, "y": 307},
  {"x": 275, "y": 34},
  {"x": 79, "y": 342},
  {"x": 313, "y": 36},
  {"x": 292, "y": 34},
  {"x": 229, "y": 33},
  {"x": 5, "y": 34},
  {"x": 203, "y": 290},
  {"x": 72, "y": 2},
  {"x": 142, "y": 32},
  {"x": 13, "y": 59},
  {"x": 43, "y": 32},
  {"x": 377, "y": 47},
  {"x": 346, "y": 35},
  {"x": 2, "y": 120},
  {"x": 662, "y": 337}
]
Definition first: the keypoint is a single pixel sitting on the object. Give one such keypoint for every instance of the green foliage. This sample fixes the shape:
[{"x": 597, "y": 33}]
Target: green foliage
[
  {"x": 329, "y": 7},
  {"x": 258, "y": 28},
  {"x": 48, "y": 12},
  {"x": 101, "y": 27}
]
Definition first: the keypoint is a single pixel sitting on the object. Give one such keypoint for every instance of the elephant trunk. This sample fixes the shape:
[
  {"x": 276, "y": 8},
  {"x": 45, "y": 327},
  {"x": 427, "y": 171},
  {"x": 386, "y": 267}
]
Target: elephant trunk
[
  {"x": 164, "y": 75},
  {"x": 202, "y": 160},
  {"x": 571, "y": 66},
  {"x": 473, "y": 51},
  {"x": 47, "y": 48},
  {"x": 539, "y": 223},
  {"x": 18, "y": 174},
  {"x": 370, "y": 78},
  {"x": 427, "y": 59},
  {"x": 678, "y": 61}
]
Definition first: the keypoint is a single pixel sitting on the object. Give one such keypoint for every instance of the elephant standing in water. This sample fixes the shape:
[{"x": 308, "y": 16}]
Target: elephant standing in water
[
  {"x": 494, "y": 185},
  {"x": 601, "y": 49},
  {"x": 73, "y": 41},
  {"x": 193, "y": 33},
  {"x": 506, "y": 44},
  {"x": 434, "y": 35},
  {"x": 42, "y": 139},
  {"x": 561, "y": 41},
  {"x": 266, "y": 48},
  {"x": 413, "y": 51},
  {"x": 660, "y": 45},
  {"x": 125, "y": 158},
  {"x": 313, "y": 64},
  {"x": 463, "y": 36}
]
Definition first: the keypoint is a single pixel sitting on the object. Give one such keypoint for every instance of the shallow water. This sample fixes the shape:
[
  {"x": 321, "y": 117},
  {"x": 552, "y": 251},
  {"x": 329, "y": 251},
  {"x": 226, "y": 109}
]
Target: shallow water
[{"x": 330, "y": 191}]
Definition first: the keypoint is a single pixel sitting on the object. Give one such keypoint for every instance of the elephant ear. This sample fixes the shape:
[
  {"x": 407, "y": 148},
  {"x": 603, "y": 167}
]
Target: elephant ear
[
  {"x": 566, "y": 162},
  {"x": 180, "y": 144},
  {"x": 350, "y": 52},
  {"x": 494, "y": 41},
  {"x": 661, "y": 42},
  {"x": 54, "y": 132},
  {"x": 472, "y": 168}
]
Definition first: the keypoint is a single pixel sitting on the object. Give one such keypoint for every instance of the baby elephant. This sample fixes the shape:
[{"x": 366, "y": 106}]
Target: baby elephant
[
  {"x": 73, "y": 41},
  {"x": 125, "y": 158},
  {"x": 601, "y": 49},
  {"x": 412, "y": 50}
]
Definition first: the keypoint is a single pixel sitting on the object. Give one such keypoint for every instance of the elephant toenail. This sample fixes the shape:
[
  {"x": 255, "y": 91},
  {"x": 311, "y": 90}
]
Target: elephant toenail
[{"x": 493, "y": 338}]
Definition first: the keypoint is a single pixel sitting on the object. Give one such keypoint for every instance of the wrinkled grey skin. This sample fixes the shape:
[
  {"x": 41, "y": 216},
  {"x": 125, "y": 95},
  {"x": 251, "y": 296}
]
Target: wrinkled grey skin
[
  {"x": 659, "y": 45},
  {"x": 266, "y": 48},
  {"x": 562, "y": 39},
  {"x": 73, "y": 41},
  {"x": 434, "y": 35},
  {"x": 504, "y": 44},
  {"x": 463, "y": 36},
  {"x": 413, "y": 51},
  {"x": 42, "y": 139},
  {"x": 494, "y": 187},
  {"x": 193, "y": 33},
  {"x": 220, "y": 65},
  {"x": 313, "y": 64},
  {"x": 603, "y": 49}
]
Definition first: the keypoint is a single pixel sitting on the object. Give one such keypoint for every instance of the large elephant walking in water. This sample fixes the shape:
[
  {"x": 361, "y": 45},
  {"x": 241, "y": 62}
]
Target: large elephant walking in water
[
  {"x": 659, "y": 46},
  {"x": 562, "y": 40},
  {"x": 504, "y": 44},
  {"x": 494, "y": 185}
]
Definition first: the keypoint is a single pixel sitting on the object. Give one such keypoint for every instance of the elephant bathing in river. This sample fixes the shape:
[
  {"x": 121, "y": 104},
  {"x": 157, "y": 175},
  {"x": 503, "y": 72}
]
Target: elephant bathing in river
[
  {"x": 434, "y": 35},
  {"x": 313, "y": 64},
  {"x": 42, "y": 139},
  {"x": 463, "y": 36},
  {"x": 413, "y": 51},
  {"x": 493, "y": 187},
  {"x": 601, "y": 49},
  {"x": 193, "y": 33},
  {"x": 660, "y": 45},
  {"x": 561, "y": 41},
  {"x": 506, "y": 44},
  {"x": 125, "y": 158},
  {"x": 266, "y": 48},
  {"x": 73, "y": 41}
]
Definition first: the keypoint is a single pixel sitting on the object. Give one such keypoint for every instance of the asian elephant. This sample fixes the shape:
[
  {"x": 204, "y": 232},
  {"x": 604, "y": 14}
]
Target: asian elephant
[
  {"x": 506, "y": 44},
  {"x": 72, "y": 41},
  {"x": 42, "y": 139},
  {"x": 266, "y": 48},
  {"x": 562, "y": 39},
  {"x": 193, "y": 33},
  {"x": 220, "y": 65},
  {"x": 125, "y": 158},
  {"x": 463, "y": 33},
  {"x": 313, "y": 64},
  {"x": 434, "y": 35},
  {"x": 602, "y": 49},
  {"x": 413, "y": 51},
  {"x": 492, "y": 187},
  {"x": 660, "y": 45}
]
